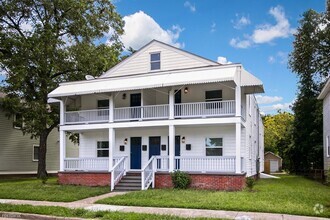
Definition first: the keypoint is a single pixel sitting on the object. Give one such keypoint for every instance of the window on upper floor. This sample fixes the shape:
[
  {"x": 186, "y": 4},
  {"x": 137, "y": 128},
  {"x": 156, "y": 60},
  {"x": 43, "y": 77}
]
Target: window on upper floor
[
  {"x": 103, "y": 104},
  {"x": 18, "y": 121},
  {"x": 155, "y": 61},
  {"x": 103, "y": 149},
  {"x": 213, "y": 96},
  {"x": 214, "y": 146},
  {"x": 35, "y": 153}
]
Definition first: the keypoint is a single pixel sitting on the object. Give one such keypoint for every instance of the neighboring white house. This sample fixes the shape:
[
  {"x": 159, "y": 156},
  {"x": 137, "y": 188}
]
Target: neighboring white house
[
  {"x": 163, "y": 109},
  {"x": 325, "y": 96}
]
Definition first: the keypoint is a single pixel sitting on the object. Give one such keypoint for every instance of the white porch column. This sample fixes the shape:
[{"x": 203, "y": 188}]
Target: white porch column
[
  {"x": 238, "y": 148},
  {"x": 62, "y": 112},
  {"x": 62, "y": 136},
  {"x": 142, "y": 104},
  {"x": 171, "y": 103},
  {"x": 62, "y": 149},
  {"x": 112, "y": 141},
  {"x": 111, "y": 108},
  {"x": 171, "y": 147},
  {"x": 238, "y": 100}
]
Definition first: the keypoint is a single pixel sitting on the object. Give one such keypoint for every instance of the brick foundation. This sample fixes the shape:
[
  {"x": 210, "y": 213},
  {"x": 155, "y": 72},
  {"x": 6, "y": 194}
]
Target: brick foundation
[
  {"x": 85, "y": 178},
  {"x": 226, "y": 182}
]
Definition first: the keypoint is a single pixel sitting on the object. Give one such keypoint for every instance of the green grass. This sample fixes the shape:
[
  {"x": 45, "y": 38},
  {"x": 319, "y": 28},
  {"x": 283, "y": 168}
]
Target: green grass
[
  {"x": 33, "y": 189},
  {"x": 290, "y": 195},
  {"x": 81, "y": 213}
]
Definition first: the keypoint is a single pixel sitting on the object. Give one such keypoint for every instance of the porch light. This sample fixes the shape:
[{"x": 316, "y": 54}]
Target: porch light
[
  {"x": 124, "y": 96},
  {"x": 183, "y": 140},
  {"x": 186, "y": 90},
  {"x": 125, "y": 141}
]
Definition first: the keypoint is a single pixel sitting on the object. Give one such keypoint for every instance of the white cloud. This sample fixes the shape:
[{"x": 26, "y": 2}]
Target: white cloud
[
  {"x": 140, "y": 29},
  {"x": 263, "y": 99},
  {"x": 280, "y": 57},
  {"x": 213, "y": 27},
  {"x": 266, "y": 33},
  {"x": 238, "y": 43},
  {"x": 189, "y": 5},
  {"x": 271, "y": 59},
  {"x": 223, "y": 60},
  {"x": 241, "y": 21},
  {"x": 276, "y": 107}
]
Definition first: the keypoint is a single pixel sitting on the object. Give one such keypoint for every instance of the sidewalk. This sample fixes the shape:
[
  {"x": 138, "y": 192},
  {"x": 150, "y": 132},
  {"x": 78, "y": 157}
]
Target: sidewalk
[{"x": 182, "y": 212}]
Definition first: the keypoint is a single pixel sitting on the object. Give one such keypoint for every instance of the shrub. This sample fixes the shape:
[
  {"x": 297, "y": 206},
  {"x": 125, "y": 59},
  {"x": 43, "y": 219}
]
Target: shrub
[
  {"x": 250, "y": 182},
  {"x": 327, "y": 177},
  {"x": 180, "y": 180}
]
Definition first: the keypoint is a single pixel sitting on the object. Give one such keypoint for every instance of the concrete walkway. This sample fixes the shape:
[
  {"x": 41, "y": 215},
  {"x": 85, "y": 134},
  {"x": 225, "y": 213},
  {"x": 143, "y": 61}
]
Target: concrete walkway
[{"x": 188, "y": 213}]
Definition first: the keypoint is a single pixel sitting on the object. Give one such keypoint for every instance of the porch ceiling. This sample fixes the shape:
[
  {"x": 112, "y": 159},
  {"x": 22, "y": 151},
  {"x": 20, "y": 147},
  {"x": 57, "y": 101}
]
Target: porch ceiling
[{"x": 157, "y": 80}]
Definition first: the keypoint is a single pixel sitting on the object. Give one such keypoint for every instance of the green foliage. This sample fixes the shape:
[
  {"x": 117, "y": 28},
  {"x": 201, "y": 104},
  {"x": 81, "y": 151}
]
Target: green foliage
[
  {"x": 327, "y": 177},
  {"x": 311, "y": 62},
  {"x": 250, "y": 182},
  {"x": 44, "y": 43},
  {"x": 278, "y": 133},
  {"x": 288, "y": 195},
  {"x": 180, "y": 180},
  {"x": 44, "y": 179}
]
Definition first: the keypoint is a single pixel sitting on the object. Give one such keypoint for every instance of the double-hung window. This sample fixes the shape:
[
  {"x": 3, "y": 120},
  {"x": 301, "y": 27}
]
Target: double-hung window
[
  {"x": 35, "y": 153},
  {"x": 18, "y": 121},
  {"x": 213, "y": 97},
  {"x": 103, "y": 149},
  {"x": 155, "y": 61},
  {"x": 214, "y": 146}
]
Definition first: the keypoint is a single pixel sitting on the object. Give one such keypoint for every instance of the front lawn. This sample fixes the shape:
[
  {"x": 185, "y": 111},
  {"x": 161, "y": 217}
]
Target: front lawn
[
  {"x": 290, "y": 195},
  {"x": 81, "y": 213},
  {"x": 33, "y": 189}
]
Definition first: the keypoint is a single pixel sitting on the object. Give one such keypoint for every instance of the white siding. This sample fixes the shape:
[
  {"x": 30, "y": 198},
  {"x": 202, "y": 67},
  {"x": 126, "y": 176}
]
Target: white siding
[
  {"x": 194, "y": 135},
  {"x": 326, "y": 129},
  {"x": 171, "y": 58},
  {"x": 254, "y": 145}
]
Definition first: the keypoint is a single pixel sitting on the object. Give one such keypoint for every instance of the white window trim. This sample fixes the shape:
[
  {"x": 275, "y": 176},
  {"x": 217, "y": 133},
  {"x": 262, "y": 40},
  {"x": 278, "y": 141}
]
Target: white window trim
[
  {"x": 160, "y": 63},
  {"x": 205, "y": 147},
  {"x": 35, "y": 145},
  {"x": 97, "y": 149}
]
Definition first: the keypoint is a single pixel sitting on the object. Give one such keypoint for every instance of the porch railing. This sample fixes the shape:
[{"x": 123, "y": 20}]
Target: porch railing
[
  {"x": 205, "y": 164},
  {"x": 162, "y": 163},
  {"x": 96, "y": 115},
  {"x": 201, "y": 109},
  {"x": 141, "y": 112},
  {"x": 148, "y": 173},
  {"x": 87, "y": 164},
  {"x": 117, "y": 172}
]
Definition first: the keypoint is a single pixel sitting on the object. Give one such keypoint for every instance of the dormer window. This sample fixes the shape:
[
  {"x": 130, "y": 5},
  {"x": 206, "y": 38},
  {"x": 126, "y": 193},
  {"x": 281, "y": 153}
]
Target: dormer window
[{"x": 155, "y": 61}]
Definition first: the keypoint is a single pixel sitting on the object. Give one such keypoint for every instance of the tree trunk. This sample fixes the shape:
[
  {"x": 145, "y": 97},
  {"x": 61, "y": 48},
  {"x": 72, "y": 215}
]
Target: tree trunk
[{"x": 42, "y": 172}]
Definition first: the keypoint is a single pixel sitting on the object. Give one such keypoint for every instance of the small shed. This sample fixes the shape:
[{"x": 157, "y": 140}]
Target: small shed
[{"x": 273, "y": 162}]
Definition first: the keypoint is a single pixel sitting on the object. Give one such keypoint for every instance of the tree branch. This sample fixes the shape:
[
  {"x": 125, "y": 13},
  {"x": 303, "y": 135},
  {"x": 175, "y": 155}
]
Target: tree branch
[{"x": 64, "y": 72}]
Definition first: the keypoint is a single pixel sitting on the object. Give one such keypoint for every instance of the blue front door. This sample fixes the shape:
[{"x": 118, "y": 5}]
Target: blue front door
[
  {"x": 154, "y": 146},
  {"x": 135, "y": 152},
  {"x": 177, "y": 152}
]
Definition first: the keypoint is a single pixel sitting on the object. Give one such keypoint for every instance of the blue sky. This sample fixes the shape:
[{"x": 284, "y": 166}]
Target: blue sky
[{"x": 258, "y": 34}]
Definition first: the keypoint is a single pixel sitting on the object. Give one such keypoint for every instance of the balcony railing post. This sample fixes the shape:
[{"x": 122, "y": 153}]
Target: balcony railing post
[{"x": 111, "y": 108}]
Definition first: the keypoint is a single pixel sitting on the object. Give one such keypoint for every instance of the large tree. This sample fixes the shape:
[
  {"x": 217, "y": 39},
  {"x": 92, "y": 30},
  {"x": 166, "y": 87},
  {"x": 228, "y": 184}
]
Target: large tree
[
  {"x": 278, "y": 132},
  {"x": 43, "y": 43},
  {"x": 310, "y": 60}
]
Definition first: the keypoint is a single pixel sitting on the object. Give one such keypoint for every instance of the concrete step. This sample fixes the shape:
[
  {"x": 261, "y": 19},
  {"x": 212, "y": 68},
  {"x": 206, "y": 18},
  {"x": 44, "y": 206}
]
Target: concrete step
[
  {"x": 130, "y": 181},
  {"x": 131, "y": 177},
  {"x": 127, "y": 188},
  {"x": 138, "y": 184}
]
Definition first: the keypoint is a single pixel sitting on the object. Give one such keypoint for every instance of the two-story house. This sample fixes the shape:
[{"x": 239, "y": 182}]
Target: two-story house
[
  {"x": 325, "y": 96},
  {"x": 163, "y": 109}
]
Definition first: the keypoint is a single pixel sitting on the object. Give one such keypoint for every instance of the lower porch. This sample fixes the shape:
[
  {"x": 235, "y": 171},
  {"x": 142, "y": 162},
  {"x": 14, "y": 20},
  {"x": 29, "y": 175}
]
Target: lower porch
[{"x": 150, "y": 152}]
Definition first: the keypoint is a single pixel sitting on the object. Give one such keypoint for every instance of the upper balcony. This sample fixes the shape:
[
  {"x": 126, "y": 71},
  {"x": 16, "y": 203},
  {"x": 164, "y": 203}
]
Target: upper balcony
[{"x": 153, "y": 112}]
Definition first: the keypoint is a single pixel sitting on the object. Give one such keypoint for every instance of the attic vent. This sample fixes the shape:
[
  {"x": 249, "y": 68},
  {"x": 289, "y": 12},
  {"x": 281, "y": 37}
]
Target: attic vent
[{"x": 155, "y": 61}]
